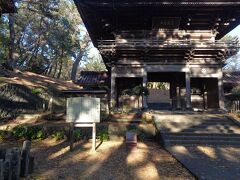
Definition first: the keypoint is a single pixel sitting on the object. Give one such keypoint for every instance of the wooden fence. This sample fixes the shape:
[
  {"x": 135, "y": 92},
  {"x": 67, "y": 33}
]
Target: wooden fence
[{"x": 235, "y": 105}]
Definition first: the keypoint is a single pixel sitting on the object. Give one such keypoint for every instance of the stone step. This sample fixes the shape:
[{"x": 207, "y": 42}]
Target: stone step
[
  {"x": 201, "y": 134},
  {"x": 205, "y": 126},
  {"x": 219, "y": 123},
  {"x": 126, "y": 120},
  {"x": 196, "y": 119},
  {"x": 201, "y": 142},
  {"x": 229, "y": 138},
  {"x": 204, "y": 123},
  {"x": 204, "y": 130}
]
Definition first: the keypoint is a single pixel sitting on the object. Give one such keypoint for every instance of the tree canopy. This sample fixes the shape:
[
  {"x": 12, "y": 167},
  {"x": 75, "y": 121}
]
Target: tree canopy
[{"x": 46, "y": 37}]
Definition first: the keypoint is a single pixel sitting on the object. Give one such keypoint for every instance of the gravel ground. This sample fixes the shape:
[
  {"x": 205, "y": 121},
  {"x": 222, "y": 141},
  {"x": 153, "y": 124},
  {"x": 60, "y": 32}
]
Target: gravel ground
[{"x": 53, "y": 160}]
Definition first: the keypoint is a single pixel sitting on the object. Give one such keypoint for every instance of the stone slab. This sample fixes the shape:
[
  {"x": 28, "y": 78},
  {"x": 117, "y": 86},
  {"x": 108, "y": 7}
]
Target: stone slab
[{"x": 222, "y": 166}]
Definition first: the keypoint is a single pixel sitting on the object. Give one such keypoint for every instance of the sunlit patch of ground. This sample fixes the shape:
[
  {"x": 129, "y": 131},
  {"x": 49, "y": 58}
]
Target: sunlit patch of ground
[
  {"x": 30, "y": 79},
  {"x": 226, "y": 153},
  {"x": 208, "y": 151},
  {"x": 53, "y": 160}
]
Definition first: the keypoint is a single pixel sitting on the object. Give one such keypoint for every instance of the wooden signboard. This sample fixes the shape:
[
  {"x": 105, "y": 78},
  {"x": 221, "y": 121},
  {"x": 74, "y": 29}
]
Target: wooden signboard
[{"x": 83, "y": 112}]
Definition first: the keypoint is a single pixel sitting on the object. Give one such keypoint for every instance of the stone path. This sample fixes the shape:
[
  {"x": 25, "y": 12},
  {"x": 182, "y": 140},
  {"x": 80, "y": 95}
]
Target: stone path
[
  {"x": 209, "y": 162},
  {"x": 207, "y": 144}
]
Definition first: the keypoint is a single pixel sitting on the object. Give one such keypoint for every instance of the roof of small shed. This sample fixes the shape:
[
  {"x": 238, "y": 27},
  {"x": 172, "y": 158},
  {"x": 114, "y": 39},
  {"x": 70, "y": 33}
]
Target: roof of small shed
[{"x": 93, "y": 78}]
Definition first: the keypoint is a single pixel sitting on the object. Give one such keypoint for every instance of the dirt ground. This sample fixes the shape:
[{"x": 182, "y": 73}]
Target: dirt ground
[
  {"x": 30, "y": 79},
  {"x": 53, "y": 160}
]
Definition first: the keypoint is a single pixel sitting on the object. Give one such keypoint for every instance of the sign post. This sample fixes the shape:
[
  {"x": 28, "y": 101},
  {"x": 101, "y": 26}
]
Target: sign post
[
  {"x": 94, "y": 137},
  {"x": 83, "y": 112}
]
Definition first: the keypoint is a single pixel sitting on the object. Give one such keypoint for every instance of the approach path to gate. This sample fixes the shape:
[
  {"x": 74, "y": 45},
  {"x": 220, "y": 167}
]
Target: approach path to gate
[{"x": 208, "y": 144}]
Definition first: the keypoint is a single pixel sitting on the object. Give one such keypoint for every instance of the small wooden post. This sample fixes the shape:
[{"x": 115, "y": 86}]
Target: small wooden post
[
  {"x": 31, "y": 164},
  {"x": 7, "y": 173},
  {"x": 71, "y": 135},
  {"x": 7, "y": 165},
  {"x": 15, "y": 163},
  {"x": 50, "y": 105},
  {"x": 25, "y": 158},
  {"x": 1, "y": 169},
  {"x": 94, "y": 137}
]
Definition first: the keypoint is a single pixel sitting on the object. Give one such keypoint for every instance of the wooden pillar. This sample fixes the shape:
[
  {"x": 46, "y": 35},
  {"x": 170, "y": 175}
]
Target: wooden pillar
[
  {"x": 188, "y": 91},
  {"x": 25, "y": 154},
  {"x": 113, "y": 88},
  {"x": 71, "y": 140},
  {"x": 145, "y": 85},
  {"x": 174, "y": 95},
  {"x": 94, "y": 137},
  {"x": 1, "y": 169},
  {"x": 178, "y": 97},
  {"x": 220, "y": 90}
]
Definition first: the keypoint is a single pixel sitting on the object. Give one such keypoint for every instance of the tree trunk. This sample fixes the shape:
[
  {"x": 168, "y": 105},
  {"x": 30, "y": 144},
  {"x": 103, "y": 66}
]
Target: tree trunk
[
  {"x": 60, "y": 69},
  {"x": 61, "y": 63},
  {"x": 49, "y": 70},
  {"x": 75, "y": 67},
  {"x": 11, "y": 62},
  {"x": 55, "y": 69}
]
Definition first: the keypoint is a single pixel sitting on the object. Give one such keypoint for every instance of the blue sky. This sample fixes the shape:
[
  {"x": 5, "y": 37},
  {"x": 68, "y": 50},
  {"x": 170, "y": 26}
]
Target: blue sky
[{"x": 235, "y": 32}]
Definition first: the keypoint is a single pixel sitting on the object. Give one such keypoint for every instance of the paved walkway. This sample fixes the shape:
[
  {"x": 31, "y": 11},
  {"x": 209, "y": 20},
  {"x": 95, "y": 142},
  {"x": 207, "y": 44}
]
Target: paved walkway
[
  {"x": 207, "y": 144},
  {"x": 209, "y": 162}
]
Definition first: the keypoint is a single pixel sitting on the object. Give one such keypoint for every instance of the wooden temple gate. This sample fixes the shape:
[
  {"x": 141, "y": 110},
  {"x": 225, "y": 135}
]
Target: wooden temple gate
[{"x": 145, "y": 39}]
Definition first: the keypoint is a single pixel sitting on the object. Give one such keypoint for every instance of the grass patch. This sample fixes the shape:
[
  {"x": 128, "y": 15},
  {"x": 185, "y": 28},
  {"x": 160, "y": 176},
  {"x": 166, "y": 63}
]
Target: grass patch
[
  {"x": 28, "y": 132},
  {"x": 19, "y": 132},
  {"x": 103, "y": 135},
  {"x": 58, "y": 135},
  {"x": 77, "y": 135},
  {"x": 3, "y": 135}
]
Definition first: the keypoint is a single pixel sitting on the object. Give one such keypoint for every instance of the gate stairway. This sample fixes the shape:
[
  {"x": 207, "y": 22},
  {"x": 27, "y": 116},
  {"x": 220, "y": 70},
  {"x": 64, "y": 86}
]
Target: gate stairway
[{"x": 196, "y": 129}]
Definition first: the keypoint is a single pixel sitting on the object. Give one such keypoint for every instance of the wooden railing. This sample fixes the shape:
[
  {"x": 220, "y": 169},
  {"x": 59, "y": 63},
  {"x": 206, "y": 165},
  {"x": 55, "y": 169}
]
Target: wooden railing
[{"x": 163, "y": 43}]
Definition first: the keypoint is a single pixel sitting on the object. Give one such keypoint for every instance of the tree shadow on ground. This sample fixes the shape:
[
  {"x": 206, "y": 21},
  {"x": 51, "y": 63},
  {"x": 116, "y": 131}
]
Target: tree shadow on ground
[{"x": 110, "y": 161}]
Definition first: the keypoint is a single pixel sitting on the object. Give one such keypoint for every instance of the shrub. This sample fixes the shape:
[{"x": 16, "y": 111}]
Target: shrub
[
  {"x": 235, "y": 94},
  {"x": 32, "y": 132},
  {"x": 103, "y": 135},
  {"x": 58, "y": 135},
  {"x": 19, "y": 131},
  {"x": 77, "y": 135},
  {"x": 137, "y": 90},
  {"x": 35, "y": 132},
  {"x": 141, "y": 136},
  {"x": 3, "y": 134},
  {"x": 127, "y": 92},
  {"x": 37, "y": 91}
]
